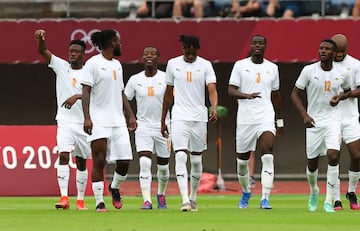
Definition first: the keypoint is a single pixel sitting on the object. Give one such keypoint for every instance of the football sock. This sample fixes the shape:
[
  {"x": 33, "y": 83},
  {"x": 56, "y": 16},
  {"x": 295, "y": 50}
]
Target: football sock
[
  {"x": 98, "y": 190},
  {"x": 145, "y": 177},
  {"x": 81, "y": 181},
  {"x": 195, "y": 174},
  {"x": 267, "y": 175},
  {"x": 163, "y": 175},
  {"x": 312, "y": 179},
  {"x": 63, "y": 174},
  {"x": 353, "y": 181},
  {"x": 182, "y": 175},
  {"x": 332, "y": 177},
  {"x": 243, "y": 174}
]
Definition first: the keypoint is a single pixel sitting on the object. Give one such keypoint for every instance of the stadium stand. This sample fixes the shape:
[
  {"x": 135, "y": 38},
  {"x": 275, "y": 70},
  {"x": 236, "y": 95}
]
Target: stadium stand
[{"x": 17, "y": 9}]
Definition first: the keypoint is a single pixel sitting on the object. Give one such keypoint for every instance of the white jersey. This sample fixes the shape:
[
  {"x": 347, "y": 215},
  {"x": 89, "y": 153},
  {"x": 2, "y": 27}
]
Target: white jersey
[
  {"x": 321, "y": 86},
  {"x": 67, "y": 85},
  {"x": 349, "y": 107},
  {"x": 250, "y": 78},
  {"x": 105, "y": 77},
  {"x": 189, "y": 81},
  {"x": 149, "y": 94}
]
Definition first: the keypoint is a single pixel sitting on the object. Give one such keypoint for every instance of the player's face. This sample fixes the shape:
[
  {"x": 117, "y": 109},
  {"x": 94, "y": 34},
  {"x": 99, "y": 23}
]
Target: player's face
[
  {"x": 76, "y": 54},
  {"x": 326, "y": 52},
  {"x": 117, "y": 47},
  {"x": 340, "y": 54},
  {"x": 258, "y": 45},
  {"x": 190, "y": 54},
  {"x": 150, "y": 56}
]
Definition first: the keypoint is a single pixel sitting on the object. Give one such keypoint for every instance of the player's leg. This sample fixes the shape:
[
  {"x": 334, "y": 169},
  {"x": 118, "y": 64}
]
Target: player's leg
[
  {"x": 163, "y": 151},
  {"x": 145, "y": 178},
  {"x": 163, "y": 175},
  {"x": 65, "y": 144},
  {"x": 266, "y": 143},
  {"x": 354, "y": 173},
  {"x": 197, "y": 143},
  {"x": 99, "y": 150},
  {"x": 81, "y": 182},
  {"x": 332, "y": 178},
  {"x": 120, "y": 152},
  {"x": 314, "y": 146},
  {"x": 63, "y": 175},
  {"x": 245, "y": 143},
  {"x": 332, "y": 134},
  {"x": 252, "y": 181},
  {"x": 180, "y": 139},
  {"x": 312, "y": 176},
  {"x": 82, "y": 152}
]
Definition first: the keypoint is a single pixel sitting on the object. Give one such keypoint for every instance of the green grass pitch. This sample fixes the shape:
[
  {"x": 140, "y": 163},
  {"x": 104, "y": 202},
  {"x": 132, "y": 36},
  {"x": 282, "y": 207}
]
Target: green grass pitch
[{"x": 215, "y": 213}]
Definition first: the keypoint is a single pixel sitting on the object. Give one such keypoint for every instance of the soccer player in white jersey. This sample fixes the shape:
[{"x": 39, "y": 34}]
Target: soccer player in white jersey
[
  {"x": 70, "y": 136},
  {"x": 187, "y": 76},
  {"x": 322, "y": 82},
  {"x": 104, "y": 104},
  {"x": 148, "y": 88},
  {"x": 350, "y": 127},
  {"x": 254, "y": 82}
]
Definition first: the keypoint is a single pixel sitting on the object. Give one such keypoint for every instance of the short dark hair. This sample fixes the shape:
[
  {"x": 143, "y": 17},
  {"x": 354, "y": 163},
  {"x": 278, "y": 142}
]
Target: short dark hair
[
  {"x": 331, "y": 42},
  {"x": 190, "y": 41},
  {"x": 78, "y": 42},
  {"x": 259, "y": 35},
  {"x": 157, "y": 50}
]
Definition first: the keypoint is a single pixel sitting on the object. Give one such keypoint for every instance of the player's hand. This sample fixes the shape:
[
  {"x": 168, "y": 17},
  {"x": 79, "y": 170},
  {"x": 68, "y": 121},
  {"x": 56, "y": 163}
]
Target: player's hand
[
  {"x": 335, "y": 100},
  {"x": 254, "y": 95},
  {"x": 132, "y": 124},
  {"x": 39, "y": 34},
  {"x": 69, "y": 102},
  {"x": 213, "y": 117},
  {"x": 309, "y": 122},
  {"x": 88, "y": 125},
  {"x": 164, "y": 130}
]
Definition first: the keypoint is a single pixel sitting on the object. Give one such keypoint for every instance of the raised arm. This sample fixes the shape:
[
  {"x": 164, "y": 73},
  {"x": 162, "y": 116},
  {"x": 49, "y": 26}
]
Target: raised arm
[{"x": 39, "y": 35}]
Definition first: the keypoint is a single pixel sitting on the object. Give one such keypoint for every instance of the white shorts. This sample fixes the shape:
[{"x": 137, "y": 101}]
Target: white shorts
[
  {"x": 71, "y": 138},
  {"x": 118, "y": 142},
  {"x": 248, "y": 134},
  {"x": 189, "y": 135},
  {"x": 320, "y": 139},
  {"x": 148, "y": 139},
  {"x": 350, "y": 131}
]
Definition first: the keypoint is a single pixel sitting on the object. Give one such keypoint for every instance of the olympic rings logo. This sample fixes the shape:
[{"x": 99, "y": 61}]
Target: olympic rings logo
[{"x": 86, "y": 37}]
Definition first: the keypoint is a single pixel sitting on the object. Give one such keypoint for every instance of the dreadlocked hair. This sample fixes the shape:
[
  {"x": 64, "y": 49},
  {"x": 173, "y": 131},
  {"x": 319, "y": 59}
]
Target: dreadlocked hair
[
  {"x": 100, "y": 39},
  {"x": 190, "y": 41}
]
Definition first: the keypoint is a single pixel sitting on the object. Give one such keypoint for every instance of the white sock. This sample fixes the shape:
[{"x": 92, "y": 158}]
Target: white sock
[
  {"x": 267, "y": 175},
  {"x": 98, "y": 190},
  {"x": 353, "y": 181},
  {"x": 117, "y": 180},
  {"x": 243, "y": 174},
  {"x": 81, "y": 182},
  {"x": 332, "y": 177},
  {"x": 63, "y": 175},
  {"x": 163, "y": 175},
  {"x": 312, "y": 179},
  {"x": 336, "y": 191},
  {"x": 145, "y": 177},
  {"x": 182, "y": 175},
  {"x": 195, "y": 174}
]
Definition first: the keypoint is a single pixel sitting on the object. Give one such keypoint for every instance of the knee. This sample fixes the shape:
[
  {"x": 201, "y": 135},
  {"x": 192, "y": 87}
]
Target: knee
[{"x": 64, "y": 158}]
